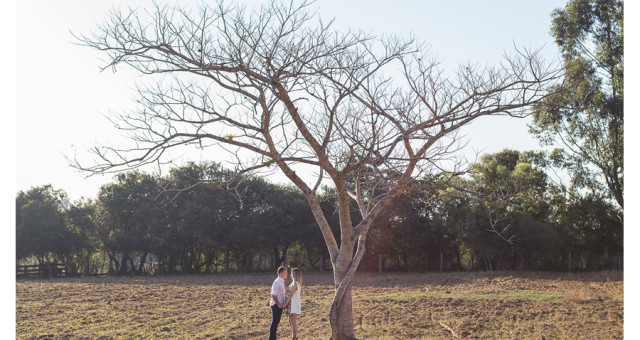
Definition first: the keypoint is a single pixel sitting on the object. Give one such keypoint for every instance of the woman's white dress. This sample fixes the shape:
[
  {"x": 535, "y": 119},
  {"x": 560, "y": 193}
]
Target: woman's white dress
[{"x": 295, "y": 300}]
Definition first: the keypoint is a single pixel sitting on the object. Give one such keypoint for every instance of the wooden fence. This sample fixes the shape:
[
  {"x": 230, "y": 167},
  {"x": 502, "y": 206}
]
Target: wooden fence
[{"x": 42, "y": 270}]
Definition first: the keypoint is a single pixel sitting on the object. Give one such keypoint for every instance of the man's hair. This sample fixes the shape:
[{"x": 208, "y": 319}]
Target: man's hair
[{"x": 281, "y": 269}]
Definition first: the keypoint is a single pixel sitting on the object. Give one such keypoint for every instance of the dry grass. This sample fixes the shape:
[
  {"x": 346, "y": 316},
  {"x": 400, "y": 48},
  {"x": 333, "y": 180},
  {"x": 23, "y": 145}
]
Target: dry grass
[{"x": 389, "y": 306}]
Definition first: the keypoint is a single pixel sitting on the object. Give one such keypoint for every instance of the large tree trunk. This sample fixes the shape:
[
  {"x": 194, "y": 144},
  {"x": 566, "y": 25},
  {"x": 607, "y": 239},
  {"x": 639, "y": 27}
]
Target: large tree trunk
[
  {"x": 342, "y": 325},
  {"x": 341, "y": 314},
  {"x": 344, "y": 269}
]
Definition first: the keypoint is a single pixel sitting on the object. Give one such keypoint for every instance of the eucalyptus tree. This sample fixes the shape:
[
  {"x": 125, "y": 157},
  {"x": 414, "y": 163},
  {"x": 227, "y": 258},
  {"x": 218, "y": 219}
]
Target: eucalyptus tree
[
  {"x": 510, "y": 215},
  {"x": 504, "y": 183},
  {"x": 585, "y": 116},
  {"x": 275, "y": 87}
]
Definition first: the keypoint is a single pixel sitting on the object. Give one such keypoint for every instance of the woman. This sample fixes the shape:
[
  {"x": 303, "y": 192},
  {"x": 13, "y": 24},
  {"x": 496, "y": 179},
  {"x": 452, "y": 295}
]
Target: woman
[{"x": 293, "y": 301}]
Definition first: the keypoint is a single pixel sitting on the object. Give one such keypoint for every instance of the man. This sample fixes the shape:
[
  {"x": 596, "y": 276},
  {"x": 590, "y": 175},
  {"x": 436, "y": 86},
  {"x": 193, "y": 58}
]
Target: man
[{"x": 277, "y": 301}]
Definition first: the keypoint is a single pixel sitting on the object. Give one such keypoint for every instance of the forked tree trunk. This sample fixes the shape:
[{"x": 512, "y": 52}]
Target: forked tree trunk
[
  {"x": 342, "y": 322},
  {"x": 341, "y": 313}
]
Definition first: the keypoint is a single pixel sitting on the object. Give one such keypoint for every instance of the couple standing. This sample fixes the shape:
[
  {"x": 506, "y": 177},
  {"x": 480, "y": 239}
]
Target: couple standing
[{"x": 291, "y": 302}]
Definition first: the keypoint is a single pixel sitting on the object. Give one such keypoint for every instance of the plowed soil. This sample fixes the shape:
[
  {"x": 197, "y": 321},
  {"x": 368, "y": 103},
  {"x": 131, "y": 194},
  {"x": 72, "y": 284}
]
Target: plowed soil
[{"x": 502, "y": 305}]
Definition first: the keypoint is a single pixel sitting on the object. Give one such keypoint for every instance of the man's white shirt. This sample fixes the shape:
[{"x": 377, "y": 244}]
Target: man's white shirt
[{"x": 277, "y": 289}]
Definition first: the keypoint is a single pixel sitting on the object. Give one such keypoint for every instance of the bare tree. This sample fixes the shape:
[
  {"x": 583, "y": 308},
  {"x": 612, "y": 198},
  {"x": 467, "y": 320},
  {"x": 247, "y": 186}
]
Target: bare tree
[{"x": 275, "y": 86}]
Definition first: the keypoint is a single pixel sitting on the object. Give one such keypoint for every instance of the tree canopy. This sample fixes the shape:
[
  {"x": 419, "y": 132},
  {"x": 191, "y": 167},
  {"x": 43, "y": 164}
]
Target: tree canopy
[{"x": 585, "y": 115}]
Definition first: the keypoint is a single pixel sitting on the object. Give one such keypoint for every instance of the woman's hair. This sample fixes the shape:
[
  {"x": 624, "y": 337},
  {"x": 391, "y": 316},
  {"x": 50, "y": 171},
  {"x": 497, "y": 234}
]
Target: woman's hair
[{"x": 297, "y": 275}]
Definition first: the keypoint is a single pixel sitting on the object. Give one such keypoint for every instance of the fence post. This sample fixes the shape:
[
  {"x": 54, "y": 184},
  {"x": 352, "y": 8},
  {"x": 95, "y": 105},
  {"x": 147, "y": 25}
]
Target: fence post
[
  {"x": 569, "y": 262},
  {"x": 441, "y": 260},
  {"x": 619, "y": 262}
]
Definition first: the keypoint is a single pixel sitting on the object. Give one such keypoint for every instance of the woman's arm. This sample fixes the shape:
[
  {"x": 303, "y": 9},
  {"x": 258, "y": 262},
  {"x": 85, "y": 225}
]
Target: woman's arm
[{"x": 293, "y": 290}]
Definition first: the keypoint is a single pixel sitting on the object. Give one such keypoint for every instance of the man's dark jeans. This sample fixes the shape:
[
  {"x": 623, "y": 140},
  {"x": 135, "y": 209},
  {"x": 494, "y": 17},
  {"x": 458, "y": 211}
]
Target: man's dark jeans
[{"x": 276, "y": 314}]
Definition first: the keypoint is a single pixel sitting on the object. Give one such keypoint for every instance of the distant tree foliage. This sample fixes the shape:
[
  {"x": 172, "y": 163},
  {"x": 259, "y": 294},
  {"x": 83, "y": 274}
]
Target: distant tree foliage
[
  {"x": 40, "y": 226},
  {"x": 503, "y": 216}
]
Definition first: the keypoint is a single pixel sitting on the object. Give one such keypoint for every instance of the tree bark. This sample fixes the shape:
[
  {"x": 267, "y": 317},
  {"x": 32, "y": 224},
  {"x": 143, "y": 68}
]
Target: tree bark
[
  {"x": 341, "y": 314},
  {"x": 342, "y": 325}
]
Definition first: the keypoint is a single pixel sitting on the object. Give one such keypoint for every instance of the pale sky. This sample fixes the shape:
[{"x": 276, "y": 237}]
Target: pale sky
[{"x": 62, "y": 95}]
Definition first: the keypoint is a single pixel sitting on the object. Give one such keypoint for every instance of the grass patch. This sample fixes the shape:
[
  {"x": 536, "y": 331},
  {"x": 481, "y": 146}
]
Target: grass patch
[{"x": 527, "y": 295}]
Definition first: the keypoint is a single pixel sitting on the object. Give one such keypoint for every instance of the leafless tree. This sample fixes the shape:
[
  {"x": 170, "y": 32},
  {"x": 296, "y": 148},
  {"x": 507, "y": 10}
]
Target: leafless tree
[{"x": 276, "y": 86}]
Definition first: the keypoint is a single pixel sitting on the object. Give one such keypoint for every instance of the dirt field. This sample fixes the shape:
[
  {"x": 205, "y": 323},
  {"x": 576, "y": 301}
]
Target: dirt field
[{"x": 389, "y": 306}]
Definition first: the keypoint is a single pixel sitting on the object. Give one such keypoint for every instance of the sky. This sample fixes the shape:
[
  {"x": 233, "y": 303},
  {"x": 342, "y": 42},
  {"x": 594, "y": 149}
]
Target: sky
[{"x": 60, "y": 96}]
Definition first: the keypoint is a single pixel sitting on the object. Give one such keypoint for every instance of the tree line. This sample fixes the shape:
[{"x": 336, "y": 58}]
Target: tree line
[{"x": 505, "y": 214}]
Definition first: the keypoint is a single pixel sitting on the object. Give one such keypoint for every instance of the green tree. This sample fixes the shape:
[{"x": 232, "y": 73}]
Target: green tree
[
  {"x": 199, "y": 219},
  {"x": 40, "y": 226},
  {"x": 506, "y": 182},
  {"x": 509, "y": 222},
  {"x": 411, "y": 231},
  {"x": 286, "y": 219},
  {"x": 126, "y": 212},
  {"x": 590, "y": 226},
  {"x": 79, "y": 219},
  {"x": 585, "y": 115},
  {"x": 257, "y": 227}
]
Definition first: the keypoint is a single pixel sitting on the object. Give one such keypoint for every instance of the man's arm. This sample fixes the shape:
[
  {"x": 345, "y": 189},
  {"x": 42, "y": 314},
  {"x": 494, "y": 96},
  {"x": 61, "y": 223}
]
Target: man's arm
[
  {"x": 275, "y": 298},
  {"x": 274, "y": 287}
]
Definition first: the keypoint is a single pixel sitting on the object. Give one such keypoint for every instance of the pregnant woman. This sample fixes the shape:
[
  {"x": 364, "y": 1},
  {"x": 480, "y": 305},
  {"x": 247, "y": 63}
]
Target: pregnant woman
[{"x": 294, "y": 300}]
